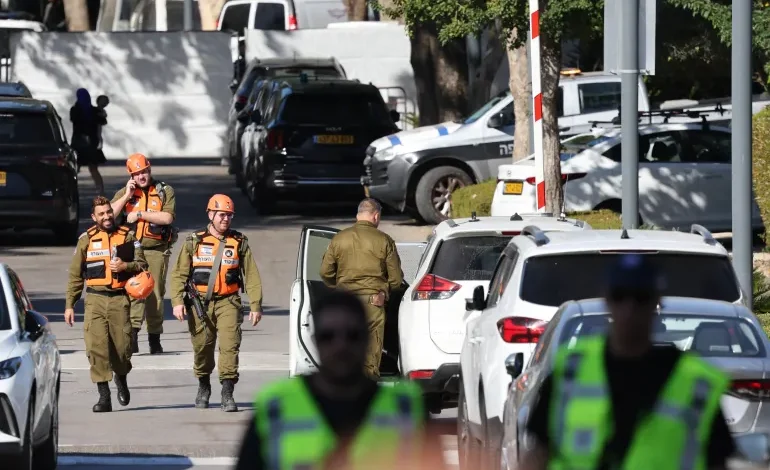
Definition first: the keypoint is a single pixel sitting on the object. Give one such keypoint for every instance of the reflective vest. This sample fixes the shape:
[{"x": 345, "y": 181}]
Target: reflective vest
[
  {"x": 672, "y": 436},
  {"x": 150, "y": 201},
  {"x": 204, "y": 250},
  {"x": 96, "y": 269},
  {"x": 295, "y": 435}
]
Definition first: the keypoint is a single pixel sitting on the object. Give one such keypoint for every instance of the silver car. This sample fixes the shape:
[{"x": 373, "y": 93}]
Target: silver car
[{"x": 726, "y": 335}]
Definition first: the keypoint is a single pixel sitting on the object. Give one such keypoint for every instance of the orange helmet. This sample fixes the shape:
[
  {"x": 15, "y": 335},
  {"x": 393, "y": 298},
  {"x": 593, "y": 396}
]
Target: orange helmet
[
  {"x": 137, "y": 162},
  {"x": 140, "y": 286},
  {"x": 220, "y": 202}
]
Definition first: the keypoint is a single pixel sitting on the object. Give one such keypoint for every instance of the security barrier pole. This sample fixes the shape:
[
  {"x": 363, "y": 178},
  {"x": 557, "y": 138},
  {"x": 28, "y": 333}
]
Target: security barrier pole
[
  {"x": 537, "y": 102},
  {"x": 188, "y": 15},
  {"x": 629, "y": 64}
]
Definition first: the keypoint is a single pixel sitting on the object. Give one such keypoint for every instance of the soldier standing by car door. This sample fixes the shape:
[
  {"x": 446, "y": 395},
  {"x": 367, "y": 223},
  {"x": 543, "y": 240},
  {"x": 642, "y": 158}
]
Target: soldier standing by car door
[
  {"x": 102, "y": 262},
  {"x": 215, "y": 264},
  {"x": 364, "y": 260},
  {"x": 149, "y": 207}
]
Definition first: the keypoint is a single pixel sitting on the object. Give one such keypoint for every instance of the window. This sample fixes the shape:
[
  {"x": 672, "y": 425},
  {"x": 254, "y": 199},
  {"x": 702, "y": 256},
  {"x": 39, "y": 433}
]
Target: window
[
  {"x": 709, "y": 146},
  {"x": 551, "y": 280},
  {"x": 660, "y": 148},
  {"x": 484, "y": 109},
  {"x": 5, "y": 319},
  {"x": 26, "y": 128},
  {"x": 175, "y": 15},
  {"x": 710, "y": 336},
  {"x": 560, "y": 102},
  {"x": 429, "y": 246},
  {"x": 297, "y": 71},
  {"x": 236, "y": 18},
  {"x": 500, "y": 278},
  {"x": 270, "y": 16},
  {"x": 615, "y": 153},
  {"x": 468, "y": 258},
  {"x": 317, "y": 243},
  {"x": 244, "y": 89},
  {"x": 20, "y": 299},
  {"x": 336, "y": 109},
  {"x": 598, "y": 97},
  {"x": 506, "y": 116},
  {"x": 545, "y": 341}
]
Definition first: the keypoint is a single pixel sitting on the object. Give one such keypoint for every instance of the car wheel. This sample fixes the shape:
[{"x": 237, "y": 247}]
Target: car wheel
[
  {"x": 46, "y": 456},
  {"x": 468, "y": 449},
  {"x": 23, "y": 461},
  {"x": 432, "y": 196}
]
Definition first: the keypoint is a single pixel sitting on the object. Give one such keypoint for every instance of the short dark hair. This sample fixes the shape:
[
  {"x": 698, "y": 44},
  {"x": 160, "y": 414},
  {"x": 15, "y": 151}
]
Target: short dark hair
[
  {"x": 369, "y": 205},
  {"x": 99, "y": 201},
  {"x": 342, "y": 300}
]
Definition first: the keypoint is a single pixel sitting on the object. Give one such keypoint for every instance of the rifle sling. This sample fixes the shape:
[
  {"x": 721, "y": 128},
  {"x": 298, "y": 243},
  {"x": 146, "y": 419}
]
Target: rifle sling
[{"x": 214, "y": 274}]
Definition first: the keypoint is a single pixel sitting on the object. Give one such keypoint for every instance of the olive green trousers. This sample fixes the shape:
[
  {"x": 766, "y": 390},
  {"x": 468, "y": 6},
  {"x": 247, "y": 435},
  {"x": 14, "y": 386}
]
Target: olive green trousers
[
  {"x": 224, "y": 321},
  {"x": 107, "y": 334},
  {"x": 151, "y": 308}
]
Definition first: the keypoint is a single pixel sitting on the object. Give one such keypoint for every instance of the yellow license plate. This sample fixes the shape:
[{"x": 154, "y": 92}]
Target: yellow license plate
[
  {"x": 3, "y": 178},
  {"x": 513, "y": 188},
  {"x": 334, "y": 139}
]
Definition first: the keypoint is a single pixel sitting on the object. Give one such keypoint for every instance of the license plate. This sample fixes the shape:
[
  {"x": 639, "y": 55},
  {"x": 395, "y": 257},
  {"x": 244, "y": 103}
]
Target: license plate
[
  {"x": 334, "y": 139},
  {"x": 513, "y": 188},
  {"x": 3, "y": 178}
]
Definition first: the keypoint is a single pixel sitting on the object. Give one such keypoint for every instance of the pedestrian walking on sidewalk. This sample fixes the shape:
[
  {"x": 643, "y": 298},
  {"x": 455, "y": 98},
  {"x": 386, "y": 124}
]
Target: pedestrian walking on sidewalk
[{"x": 86, "y": 134}]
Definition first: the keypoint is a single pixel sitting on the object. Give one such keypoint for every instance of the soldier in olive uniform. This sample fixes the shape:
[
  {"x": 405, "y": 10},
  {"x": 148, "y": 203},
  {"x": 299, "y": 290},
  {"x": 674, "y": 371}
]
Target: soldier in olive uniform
[
  {"x": 107, "y": 327},
  {"x": 218, "y": 288},
  {"x": 364, "y": 260},
  {"x": 149, "y": 206}
]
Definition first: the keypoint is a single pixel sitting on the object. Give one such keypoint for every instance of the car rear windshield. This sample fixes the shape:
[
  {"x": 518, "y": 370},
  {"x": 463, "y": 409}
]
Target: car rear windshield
[
  {"x": 554, "y": 279},
  {"x": 25, "y": 128},
  {"x": 468, "y": 258},
  {"x": 336, "y": 109},
  {"x": 297, "y": 71},
  {"x": 704, "y": 334}
]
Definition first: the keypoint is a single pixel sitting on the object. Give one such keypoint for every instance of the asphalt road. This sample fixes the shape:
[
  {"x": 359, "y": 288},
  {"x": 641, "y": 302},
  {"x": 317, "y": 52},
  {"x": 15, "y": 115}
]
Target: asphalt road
[{"x": 161, "y": 420}]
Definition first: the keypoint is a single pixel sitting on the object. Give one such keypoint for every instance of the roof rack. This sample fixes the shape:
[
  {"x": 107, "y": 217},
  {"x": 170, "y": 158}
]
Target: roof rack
[
  {"x": 666, "y": 114},
  {"x": 519, "y": 217},
  {"x": 473, "y": 217},
  {"x": 537, "y": 235},
  {"x": 703, "y": 232},
  {"x": 451, "y": 223}
]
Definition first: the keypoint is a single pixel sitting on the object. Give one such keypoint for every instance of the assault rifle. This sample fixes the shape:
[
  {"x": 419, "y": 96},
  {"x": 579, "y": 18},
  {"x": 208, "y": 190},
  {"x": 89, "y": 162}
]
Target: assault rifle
[{"x": 193, "y": 302}]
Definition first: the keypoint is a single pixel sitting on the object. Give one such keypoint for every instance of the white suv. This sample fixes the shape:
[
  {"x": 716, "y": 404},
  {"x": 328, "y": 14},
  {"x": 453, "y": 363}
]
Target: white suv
[
  {"x": 538, "y": 272},
  {"x": 460, "y": 256}
]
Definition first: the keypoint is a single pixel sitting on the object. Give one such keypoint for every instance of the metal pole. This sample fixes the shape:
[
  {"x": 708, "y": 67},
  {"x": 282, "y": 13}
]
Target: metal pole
[
  {"x": 188, "y": 15},
  {"x": 741, "y": 162},
  {"x": 531, "y": 103},
  {"x": 629, "y": 103}
]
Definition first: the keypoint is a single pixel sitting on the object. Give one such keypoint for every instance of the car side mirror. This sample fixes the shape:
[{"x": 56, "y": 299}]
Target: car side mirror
[
  {"x": 495, "y": 122},
  {"x": 395, "y": 115},
  {"x": 256, "y": 117},
  {"x": 754, "y": 447},
  {"x": 514, "y": 365},
  {"x": 478, "y": 302},
  {"x": 34, "y": 325}
]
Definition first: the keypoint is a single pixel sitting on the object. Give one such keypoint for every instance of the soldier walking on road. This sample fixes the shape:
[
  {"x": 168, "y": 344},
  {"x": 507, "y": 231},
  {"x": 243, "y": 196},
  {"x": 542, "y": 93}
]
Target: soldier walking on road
[
  {"x": 216, "y": 263},
  {"x": 364, "y": 260},
  {"x": 105, "y": 258},
  {"x": 149, "y": 206}
]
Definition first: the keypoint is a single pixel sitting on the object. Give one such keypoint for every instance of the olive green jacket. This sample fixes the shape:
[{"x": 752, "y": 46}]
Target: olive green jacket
[{"x": 362, "y": 260}]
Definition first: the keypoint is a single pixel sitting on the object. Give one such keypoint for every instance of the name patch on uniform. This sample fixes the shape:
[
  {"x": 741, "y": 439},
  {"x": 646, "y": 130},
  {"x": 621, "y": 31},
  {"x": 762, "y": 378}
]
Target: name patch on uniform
[
  {"x": 203, "y": 259},
  {"x": 98, "y": 253},
  {"x": 229, "y": 253},
  {"x": 96, "y": 245},
  {"x": 230, "y": 262},
  {"x": 207, "y": 250}
]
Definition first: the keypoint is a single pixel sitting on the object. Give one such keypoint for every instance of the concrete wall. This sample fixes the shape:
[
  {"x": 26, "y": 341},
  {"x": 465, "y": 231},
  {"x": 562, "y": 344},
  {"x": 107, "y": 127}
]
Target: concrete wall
[{"x": 168, "y": 91}]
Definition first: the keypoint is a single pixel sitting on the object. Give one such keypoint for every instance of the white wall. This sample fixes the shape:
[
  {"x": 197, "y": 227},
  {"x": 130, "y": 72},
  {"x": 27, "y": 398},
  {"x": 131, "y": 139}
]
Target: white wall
[
  {"x": 168, "y": 92},
  {"x": 375, "y": 52}
]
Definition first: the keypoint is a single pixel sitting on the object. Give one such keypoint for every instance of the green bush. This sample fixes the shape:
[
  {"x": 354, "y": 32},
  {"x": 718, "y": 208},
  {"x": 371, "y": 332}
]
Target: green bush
[
  {"x": 476, "y": 197},
  {"x": 761, "y": 161}
]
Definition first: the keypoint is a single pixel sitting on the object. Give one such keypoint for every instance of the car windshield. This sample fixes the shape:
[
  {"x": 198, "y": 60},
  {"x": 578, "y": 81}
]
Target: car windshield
[
  {"x": 336, "y": 109},
  {"x": 489, "y": 105},
  {"x": 25, "y": 129},
  {"x": 552, "y": 280},
  {"x": 704, "y": 334},
  {"x": 468, "y": 258}
]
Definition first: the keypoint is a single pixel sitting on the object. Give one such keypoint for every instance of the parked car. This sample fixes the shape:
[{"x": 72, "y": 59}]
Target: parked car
[
  {"x": 15, "y": 90},
  {"x": 258, "y": 70},
  {"x": 30, "y": 377},
  {"x": 538, "y": 272},
  {"x": 312, "y": 136},
  {"x": 239, "y": 15},
  {"x": 684, "y": 177},
  {"x": 308, "y": 288},
  {"x": 38, "y": 170},
  {"x": 460, "y": 255},
  {"x": 725, "y": 334}
]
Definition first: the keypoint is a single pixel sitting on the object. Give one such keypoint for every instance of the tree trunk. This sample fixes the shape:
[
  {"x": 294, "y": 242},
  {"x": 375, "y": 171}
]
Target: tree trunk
[
  {"x": 423, "y": 43},
  {"x": 451, "y": 78},
  {"x": 356, "y": 10},
  {"x": 521, "y": 90},
  {"x": 209, "y": 11},
  {"x": 491, "y": 59},
  {"x": 76, "y": 13},
  {"x": 549, "y": 69}
]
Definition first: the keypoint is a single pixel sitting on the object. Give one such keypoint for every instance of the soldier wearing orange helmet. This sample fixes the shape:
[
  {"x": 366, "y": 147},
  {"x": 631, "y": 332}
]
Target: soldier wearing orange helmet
[
  {"x": 218, "y": 261},
  {"x": 149, "y": 207}
]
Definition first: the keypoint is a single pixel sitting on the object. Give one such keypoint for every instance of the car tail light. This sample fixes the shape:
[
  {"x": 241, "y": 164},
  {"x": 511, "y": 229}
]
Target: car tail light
[
  {"x": 564, "y": 177},
  {"x": 758, "y": 389},
  {"x": 274, "y": 139},
  {"x": 432, "y": 287},
  {"x": 510, "y": 234},
  {"x": 420, "y": 374},
  {"x": 521, "y": 329},
  {"x": 56, "y": 160},
  {"x": 292, "y": 22},
  {"x": 241, "y": 99}
]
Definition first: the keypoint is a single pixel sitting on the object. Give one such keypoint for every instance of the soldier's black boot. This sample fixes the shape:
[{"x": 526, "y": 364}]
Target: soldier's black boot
[
  {"x": 154, "y": 340},
  {"x": 204, "y": 392},
  {"x": 134, "y": 340},
  {"x": 124, "y": 395},
  {"x": 104, "y": 405},
  {"x": 228, "y": 402}
]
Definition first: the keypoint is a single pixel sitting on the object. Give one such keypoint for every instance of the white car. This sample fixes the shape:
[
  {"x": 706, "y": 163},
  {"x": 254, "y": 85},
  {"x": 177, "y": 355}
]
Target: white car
[
  {"x": 461, "y": 255},
  {"x": 536, "y": 274},
  {"x": 308, "y": 287},
  {"x": 30, "y": 369},
  {"x": 684, "y": 177}
]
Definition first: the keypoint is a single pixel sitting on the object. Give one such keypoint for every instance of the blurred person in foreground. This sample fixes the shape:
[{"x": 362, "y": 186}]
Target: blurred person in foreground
[
  {"x": 622, "y": 403},
  {"x": 339, "y": 417}
]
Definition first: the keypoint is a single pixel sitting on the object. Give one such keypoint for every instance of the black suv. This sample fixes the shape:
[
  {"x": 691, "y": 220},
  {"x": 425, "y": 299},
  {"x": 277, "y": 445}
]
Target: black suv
[
  {"x": 313, "y": 138},
  {"x": 38, "y": 170}
]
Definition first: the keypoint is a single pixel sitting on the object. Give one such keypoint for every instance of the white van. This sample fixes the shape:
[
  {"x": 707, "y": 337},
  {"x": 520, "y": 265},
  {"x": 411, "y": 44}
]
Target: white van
[
  {"x": 239, "y": 15},
  {"x": 162, "y": 15}
]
